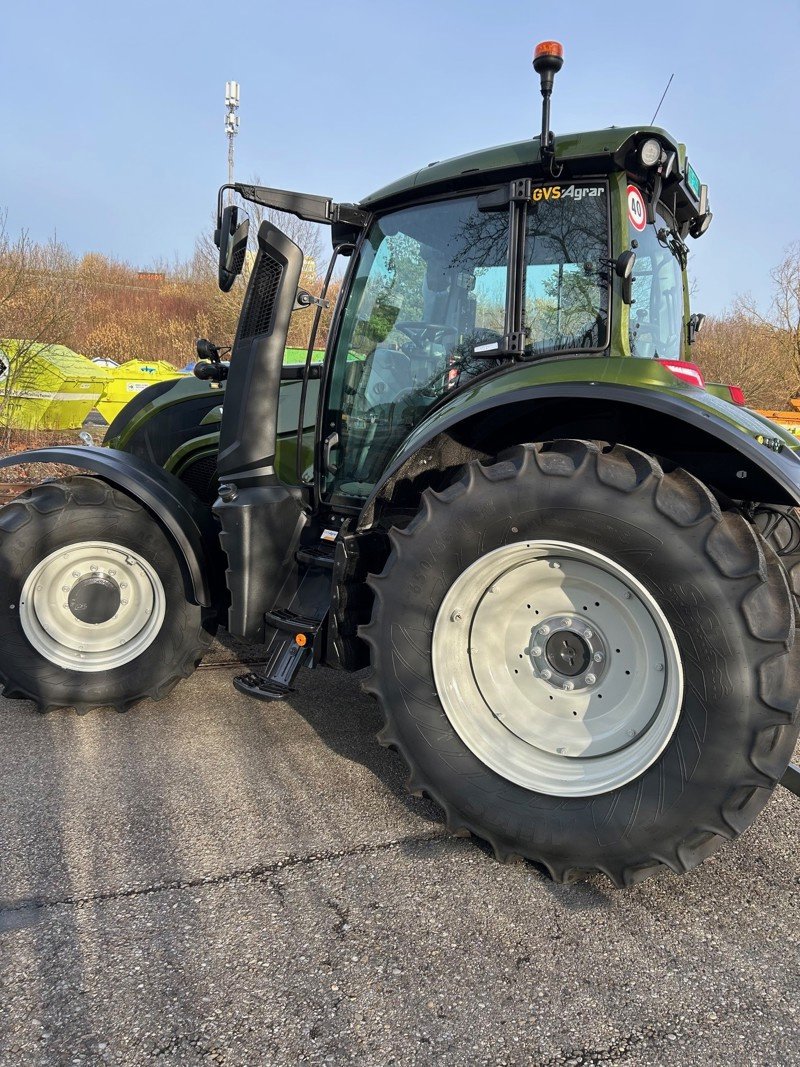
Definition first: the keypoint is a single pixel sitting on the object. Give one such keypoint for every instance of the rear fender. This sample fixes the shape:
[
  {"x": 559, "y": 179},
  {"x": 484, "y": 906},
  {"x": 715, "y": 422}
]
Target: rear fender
[
  {"x": 728, "y": 448},
  {"x": 189, "y": 524}
]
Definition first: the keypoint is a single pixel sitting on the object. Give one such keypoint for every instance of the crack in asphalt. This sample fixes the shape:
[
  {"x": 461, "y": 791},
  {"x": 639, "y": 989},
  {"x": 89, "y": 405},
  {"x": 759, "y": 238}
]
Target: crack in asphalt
[
  {"x": 258, "y": 872},
  {"x": 618, "y": 1051}
]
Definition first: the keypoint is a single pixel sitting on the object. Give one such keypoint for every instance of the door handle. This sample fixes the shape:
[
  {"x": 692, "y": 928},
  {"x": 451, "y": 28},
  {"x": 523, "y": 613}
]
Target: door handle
[{"x": 331, "y": 442}]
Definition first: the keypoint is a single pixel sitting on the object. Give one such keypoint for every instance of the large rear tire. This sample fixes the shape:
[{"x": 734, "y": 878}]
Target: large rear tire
[
  {"x": 95, "y": 608},
  {"x": 642, "y": 717}
]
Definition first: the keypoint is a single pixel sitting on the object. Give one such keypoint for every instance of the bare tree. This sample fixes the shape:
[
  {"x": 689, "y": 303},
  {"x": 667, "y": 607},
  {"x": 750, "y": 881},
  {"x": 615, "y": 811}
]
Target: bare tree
[
  {"x": 735, "y": 349},
  {"x": 782, "y": 319},
  {"x": 40, "y": 299},
  {"x": 786, "y": 303}
]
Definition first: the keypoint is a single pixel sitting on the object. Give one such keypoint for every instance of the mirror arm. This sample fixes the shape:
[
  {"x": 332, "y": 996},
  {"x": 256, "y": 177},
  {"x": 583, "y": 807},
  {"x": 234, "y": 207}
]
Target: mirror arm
[
  {"x": 305, "y": 299},
  {"x": 305, "y": 206}
]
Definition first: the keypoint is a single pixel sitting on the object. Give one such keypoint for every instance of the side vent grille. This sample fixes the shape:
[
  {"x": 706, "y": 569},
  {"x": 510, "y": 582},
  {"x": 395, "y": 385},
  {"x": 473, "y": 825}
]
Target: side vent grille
[
  {"x": 259, "y": 302},
  {"x": 201, "y": 478}
]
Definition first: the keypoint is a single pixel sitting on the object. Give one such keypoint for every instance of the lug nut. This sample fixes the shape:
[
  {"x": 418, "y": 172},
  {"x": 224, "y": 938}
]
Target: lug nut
[
  {"x": 568, "y": 687},
  {"x": 547, "y": 674},
  {"x": 588, "y": 634},
  {"x": 659, "y": 666},
  {"x": 536, "y": 651},
  {"x": 568, "y": 621},
  {"x": 590, "y": 679},
  {"x": 543, "y": 630},
  {"x": 556, "y": 566},
  {"x": 598, "y": 657}
]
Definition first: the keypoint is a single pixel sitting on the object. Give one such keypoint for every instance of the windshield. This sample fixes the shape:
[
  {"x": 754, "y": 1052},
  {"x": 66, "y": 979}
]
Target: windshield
[
  {"x": 656, "y": 320},
  {"x": 566, "y": 274},
  {"x": 429, "y": 285}
]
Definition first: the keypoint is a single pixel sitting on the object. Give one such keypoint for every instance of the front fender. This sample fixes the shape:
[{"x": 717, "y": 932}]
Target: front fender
[
  {"x": 659, "y": 415},
  {"x": 188, "y": 523}
]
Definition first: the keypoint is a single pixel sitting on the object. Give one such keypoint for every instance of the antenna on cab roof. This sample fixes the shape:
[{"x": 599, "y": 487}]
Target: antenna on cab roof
[{"x": 661, "y": 101}]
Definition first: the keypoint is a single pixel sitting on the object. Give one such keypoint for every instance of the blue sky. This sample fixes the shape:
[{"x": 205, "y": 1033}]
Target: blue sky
[{"x": 112, "y": 115}]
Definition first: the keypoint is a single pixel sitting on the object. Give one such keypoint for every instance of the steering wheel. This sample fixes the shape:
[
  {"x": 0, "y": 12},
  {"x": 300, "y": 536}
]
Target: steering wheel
[{"x": 420, "y": 332}]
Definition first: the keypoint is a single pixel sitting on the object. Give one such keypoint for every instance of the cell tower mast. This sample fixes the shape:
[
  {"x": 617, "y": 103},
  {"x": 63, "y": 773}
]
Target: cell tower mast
[{"x": 231, "y": 123}]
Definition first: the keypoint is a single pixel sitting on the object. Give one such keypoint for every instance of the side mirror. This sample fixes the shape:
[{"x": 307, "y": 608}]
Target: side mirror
[
  {"x": 623, "y": 268},
  {"x": 699, "y": 225},
  {"x": 231, "y": 240},
  {"x": 207, "y": 350},
  {"x": 694, "y": 326}
]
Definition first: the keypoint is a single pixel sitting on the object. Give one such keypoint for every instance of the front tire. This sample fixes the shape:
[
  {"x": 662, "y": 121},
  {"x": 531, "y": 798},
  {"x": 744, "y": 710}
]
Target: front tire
[
  {"x": 698, "y": 733},
  {"x": 95, "y": 606}
]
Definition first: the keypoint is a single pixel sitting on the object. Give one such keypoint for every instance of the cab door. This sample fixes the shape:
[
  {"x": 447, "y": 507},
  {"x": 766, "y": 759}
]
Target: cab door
[{"x": 428, "y": 290}]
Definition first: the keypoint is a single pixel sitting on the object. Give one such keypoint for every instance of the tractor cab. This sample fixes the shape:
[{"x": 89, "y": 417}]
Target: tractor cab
[{"x": 542, "y": 251}]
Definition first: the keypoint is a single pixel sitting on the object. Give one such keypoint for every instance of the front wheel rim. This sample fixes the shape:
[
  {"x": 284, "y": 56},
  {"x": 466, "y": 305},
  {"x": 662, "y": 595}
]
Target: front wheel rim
[
  {"x": 92, "y": 606},
  {"x": 557, "y": 668}
]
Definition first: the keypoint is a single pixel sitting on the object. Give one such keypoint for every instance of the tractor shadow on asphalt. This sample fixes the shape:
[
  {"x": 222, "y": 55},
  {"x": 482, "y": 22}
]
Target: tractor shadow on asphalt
[{"x": 346, "y": 720}]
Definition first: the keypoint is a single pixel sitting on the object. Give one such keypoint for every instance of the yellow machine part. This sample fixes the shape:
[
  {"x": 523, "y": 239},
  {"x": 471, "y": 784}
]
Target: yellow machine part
[
  {"x": 790, "y": 420},
  {"x": 47, "y": 387},
  {"x": 129, "y": 379}
]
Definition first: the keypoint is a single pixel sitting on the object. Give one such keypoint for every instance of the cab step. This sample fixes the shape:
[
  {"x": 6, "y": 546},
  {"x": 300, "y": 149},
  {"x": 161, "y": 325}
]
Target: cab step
[
  {"x": 294, "y": 629},
  {"x": 283, "y": 619},
  {"x": 290, "y": 648},
  {"x": 316, "y": 556}
]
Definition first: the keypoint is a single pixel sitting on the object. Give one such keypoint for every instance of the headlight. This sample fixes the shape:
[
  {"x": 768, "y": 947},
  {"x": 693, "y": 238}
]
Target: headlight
[
  {"x": 650, "y": 152},
  {"x": 700, "y": 224}
]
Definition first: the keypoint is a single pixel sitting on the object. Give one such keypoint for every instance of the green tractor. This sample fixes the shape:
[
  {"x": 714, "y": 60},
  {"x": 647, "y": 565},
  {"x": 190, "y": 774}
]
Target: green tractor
[{"x": 569, "y": 569}]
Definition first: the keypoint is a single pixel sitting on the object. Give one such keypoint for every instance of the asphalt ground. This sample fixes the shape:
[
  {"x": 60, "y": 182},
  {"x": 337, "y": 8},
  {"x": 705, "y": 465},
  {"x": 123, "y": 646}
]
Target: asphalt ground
[{"x": 216, "y": 880}]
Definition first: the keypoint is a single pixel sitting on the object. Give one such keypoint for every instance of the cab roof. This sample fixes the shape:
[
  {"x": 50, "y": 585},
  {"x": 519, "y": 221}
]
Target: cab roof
[{"x": 602, "y": 146}]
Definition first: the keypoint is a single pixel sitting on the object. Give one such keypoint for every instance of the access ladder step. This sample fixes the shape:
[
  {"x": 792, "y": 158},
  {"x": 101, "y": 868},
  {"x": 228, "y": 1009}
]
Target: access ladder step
[
  {"x": 316, "y": 556},
  {"x": 283, "y": 619},
  {"x": 275, "y": 682},
  {"x": 261, "y": 687}
]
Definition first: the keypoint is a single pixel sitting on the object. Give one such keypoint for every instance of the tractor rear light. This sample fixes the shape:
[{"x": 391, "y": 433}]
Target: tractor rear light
[
  {"x": 687, "y": 372},
  {"x": 737, "y": 395}
]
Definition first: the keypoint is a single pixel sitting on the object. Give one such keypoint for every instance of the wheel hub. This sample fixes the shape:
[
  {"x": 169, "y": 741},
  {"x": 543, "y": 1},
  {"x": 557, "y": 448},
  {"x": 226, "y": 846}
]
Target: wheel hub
[
  {"x": 94, "y": 599},
  {"x": 568, "y": 652}
]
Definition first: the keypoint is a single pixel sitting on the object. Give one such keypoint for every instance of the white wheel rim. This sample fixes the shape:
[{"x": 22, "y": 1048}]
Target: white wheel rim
[
  {"x": 86, "y": 581},
  {"x": 511, "y": 633}
]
